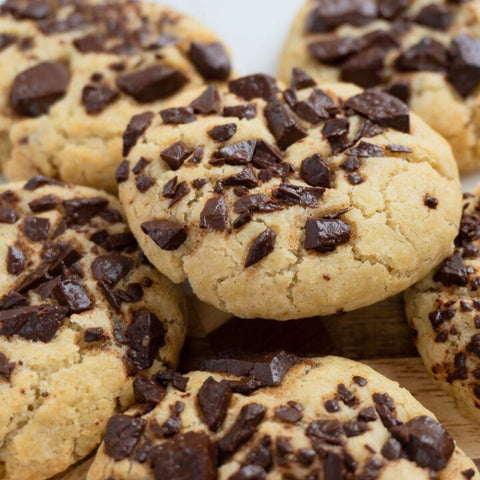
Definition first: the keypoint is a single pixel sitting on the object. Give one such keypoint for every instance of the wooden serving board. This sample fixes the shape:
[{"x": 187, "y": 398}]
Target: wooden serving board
[{"x": 377, "y": 335}]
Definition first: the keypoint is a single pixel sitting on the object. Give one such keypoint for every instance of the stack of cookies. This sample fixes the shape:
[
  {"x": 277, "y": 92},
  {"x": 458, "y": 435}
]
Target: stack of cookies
[{"x": 141, "y": 166}]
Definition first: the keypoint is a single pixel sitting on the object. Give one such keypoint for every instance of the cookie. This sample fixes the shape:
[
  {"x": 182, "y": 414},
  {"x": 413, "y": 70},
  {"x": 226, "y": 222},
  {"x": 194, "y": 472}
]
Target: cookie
[
  {"x": 74, "y": 73},
  {"x": 81, "y": 314},
  {"x": 288, "y": 205},
  {"x": 443, "y": 311},
  {"x": 424, "y": 52},
  {"x": 328, "y": 418}
]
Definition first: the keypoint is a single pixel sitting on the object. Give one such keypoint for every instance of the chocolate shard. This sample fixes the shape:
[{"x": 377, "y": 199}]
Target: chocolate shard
[
  {"x": 95, "y": 98},
  {"x": 192, "y": 456},
  {"x": 222, "y": 133},
  {"x": 152, "y": 83},
  {"x": 385, "y": 407},
  {"x": 6, "y": 367},
  {"x": 177, "y": 116},
  {"x": 452, "y": 271},
  {"x": 316, "y": 172},
  {"x": 247, "y": 111},
  {"x": 245, "y": 178},
  {"x": 111, "y": 268},
  {"x": 242, "y": 430},
  {"x": 208, "y": 102},
  {"x": 237, "y": 154},
  {"x": 210, "y": 59},
  {"x": 336, "y": 132},
  {"x": 135, "y": 129},
  {"x": 148, "y": 391},
  {"x": 288, "y": 194},
  {"x": 435, "y": 16},
  {"x": 254, "y": 86},
  {"x": 175, "y": 155},
  {"x": 80, "y": 211},
  {"x": 425, "y": 442},
  {"x": 325, "y": 235},
  {"x": 43, "y": 204},
  {"x": 282, "y": 124},
  {"x": 122, "y": 435},
  {"x": 37, "y": 323},
  {"x": 262, "y": 246},
  {"x": 464, "y": 67},
  {"x": 15, "y": 260},
  {"x": 214, "y": 215},
  {"x": 167, "y": 235},
  {"x": 213, "y": 400},
  {"x": 36, "y": 228},
  {"x": 72, "y": 294},
  {"x": 315, "y": 108},
  {"x": 382, "y": 109},
  {"x": 365, "y": 149},
  {"x": 36, "y": 89},
  {"x": 301, "y": 79},
  {"x": 427, "y": 55}
]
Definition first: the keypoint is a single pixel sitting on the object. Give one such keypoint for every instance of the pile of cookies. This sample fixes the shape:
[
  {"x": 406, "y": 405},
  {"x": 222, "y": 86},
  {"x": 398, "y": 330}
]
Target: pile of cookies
[{"x": 138, "y": 161}]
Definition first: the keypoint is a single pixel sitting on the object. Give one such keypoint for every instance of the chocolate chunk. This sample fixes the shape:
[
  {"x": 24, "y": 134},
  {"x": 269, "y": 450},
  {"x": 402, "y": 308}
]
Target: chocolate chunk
[
  {"x": 167, "y": 235},
  {"x": 297, "y": 195},
  {"x": 425, "y": 442},
  {"x": 175, "y": 155},
  {"x": 72, "y": 295},
  {"x": 208, "y": 102},
  {"x": 144, "y": 183},
  {"x": 254, "y": 86},
  {"x": 385, "y": 407},
  {"x": 36, "y": 228},
  {"x": 173, "y": 424},
  {"x": 111, "y": 268},
  {"x": 365, "y": 68},
  {"x": 40, "y": 181},
  {"x": 151, "y": 84},
  {"x": 245, "y": 178},
  {"x": 30, "y": 9},
  {"x": 301, "y": 79},
  {"x": 346, "y": 396},
  {"x": 148, "y": 391},
  {"x": 210, "y": 59},
  {"x": 332, "y": 406},
  {"x": 237, "y": 154},
  {"x": 336, "y": 132},
  {"x": 191, "y": 456},
  {"x": 316, "y": 172},
  {"x": 80, "y": 211},
  {"x": 242, "y": 430},
  {"x": 6, "y": 40},
  {"x": 464, "y": 67},
  {"x": 247, "y": 111},
  {"x": 365, "y": 149},
  {"x": 325, "y": 235},
  {"x": 122, "y": 172},
  {"x": 382, "y": 109},
  {"x": 59, "y": 257},
  {"x": 122, "y": 435},
  {"x": 390, "y": 9},
  {"x": 90, "y": 43},
  {"x": 242, "y": 220},
  {"x": 452, "y": 271},
  {"x": 367, "y": 414},
  {"x": 315, "y": 108},
  {"x": 94, "y": 334},
  {"x": 164, "y": 377},
  {"x": 36, "y": 89},
  {"x": 13, "y": 299},
  {"x": 214, "y": 214},
  {"x": 430, "y": 202},
  {"x": 177, "y": 116},
  {"x": 394, "y": 148},
  {"x": 427, "y": 55},
  {"x": 15, "y": 260},
  {"x": 249, "y": 472},
  {"x": 288, "y": 414},
  {"x": 199, "y": 183},
  {"x": 354, "y": 429},
  {"x": 261, "y": 455},
  {"x": 198, "y": 154},
  {"x": 8, "y": 215},
  {"x": 333, "y": 50},
  {"x": 325, "y": 431},
  {"x": 213, "y": 401},
  {"x": 392, "y": 450},
  {"x": 282, "y": 124},
  {"x": 38, "y": 323},
  {"x": 400, "y": 90},
  {"x": 180, "y": 191},
  {"x": 6, "y": 367},
  {"x": 96, "y": 98},
  {"x": 469, "y": 474},
  {"x": 140, "y": 166},
  {"x": 222, "y": 133},
  {"x": 435, "y": 16},
  {"x": 135, "y": 129},
  {"x": 262, "y": 246},
  {"x": 146, "y": 335},
  {"x": 351, "y": 164},
  {"x": 43, "y": 204}
]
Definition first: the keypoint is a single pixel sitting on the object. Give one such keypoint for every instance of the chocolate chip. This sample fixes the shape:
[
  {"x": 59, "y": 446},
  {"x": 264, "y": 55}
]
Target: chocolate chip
[
  {"x": 153, "y": 83},
  {"x": 425, "y": 442},
  {"x": 13, "y": 299},
  {"x": 382, "y": 109},
  {"x": 385, "y": 408},
  {"x": 464, "y": 68},
  {"x": 367, "y": 414},
  {"x": 210, "y": 59},
  {"x": 430, "y": 202},
  {"x": 208, "y": 102},
  {"x": 288, "y": 414},
  {"x": 6, "y": 367},
  {"x": 36, "y": 228},
  {"x": 144, "y": 183},
  {"x": 72, "y": 295},
  {"x": 214, "y": 214},
  {"x": 175, "y": 155},
  {"x": 140, "y": 166},
  {"x": 241, "y": 112},
  {"x": 167, "y": 235},
  {"x": 245, "y": 178},
  {"x": 122, "y": 172},
  {"x": 6, "y": 40},
  {"x": 282, "y": 124},
  {"x": 427, "y": 55},
  {"x": 254, "y": 86},
  {"x": 354, "y": 429},
  {"x": 237, "y": 154},
  {"x": 148, "y": 391},
  {"x": 8, "y": 215},
  {"x": 199, "y": 183},
  {"x": 135, "y": 129},
  {"x": 332, "y": 406},
  {"x": 111, "y": 268},
  {"x": 262, "y": 246},
  {"x": 122, "y": 435},
  {"x": 301, "y": 79},
  {"x": 213, "y": 401},
  {"x": 297, "y": 195},
  {"x": 94, "y": 334},
  {"x": 40, "y": 181},
  {"x": 38, "y": 323},
  {"x": 80, "y": 211},
  {"x": 242, "y": 220},
  {"x": 346, "y": 396},
  {"x": 325, "y": 431},
  {"x": 435, "y": 16},
  {"x": 336, "y": 132},
  {"x": 191, "y": 456},
  {"x": 325, "y": 235},
  {"x": 15, "y": 260},
  {"x": 36, "y": 89},
  {"x": 222, "y": 133},
  {"x": 365, "y": 149},
  {"x": 177, "y": 116},
  {"x": 96, "y": 98},
  {"x": 43, "y": 204},
  {"x": 452, "y": 271}
]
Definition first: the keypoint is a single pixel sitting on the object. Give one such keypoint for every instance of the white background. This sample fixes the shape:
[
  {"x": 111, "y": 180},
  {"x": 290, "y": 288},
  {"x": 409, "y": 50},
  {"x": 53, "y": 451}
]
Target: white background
[{"x": 255, "y": 30}]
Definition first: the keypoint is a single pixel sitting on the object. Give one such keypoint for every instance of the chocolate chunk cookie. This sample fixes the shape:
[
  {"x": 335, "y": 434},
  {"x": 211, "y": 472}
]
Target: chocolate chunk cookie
[
  {"x": 74, "y": 73},
  {"x": 326, "y": 418},
  {"x": 82, "y": 313},
  {"x": 288, "y": 204},
  {"x": 424, "y": 52},
  {"x": 444, "y": 314}
]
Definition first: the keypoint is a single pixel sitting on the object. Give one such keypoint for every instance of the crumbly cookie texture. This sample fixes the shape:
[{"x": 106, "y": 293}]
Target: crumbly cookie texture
[
  {"x": 424, "y": 51},
  {"x": 289, "y": 205},
  {"x": 74, "y": 73},
  {"x": 443, "y": 311},
  {"x": 327, "y": 418},
  {"x": 81, "y": 314}
]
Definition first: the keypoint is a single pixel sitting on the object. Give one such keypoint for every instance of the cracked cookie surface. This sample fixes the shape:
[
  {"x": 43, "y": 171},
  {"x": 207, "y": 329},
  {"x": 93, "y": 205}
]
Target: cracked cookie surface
[
  {"x": 443, "y": 311},
  {"x": 328, "y": 418},
  {"x": 81, "y": 314},
  {"x": 289, "y": 205},
  {"x": 74, "y": 73},
  {"x": 424, "y": 51}
]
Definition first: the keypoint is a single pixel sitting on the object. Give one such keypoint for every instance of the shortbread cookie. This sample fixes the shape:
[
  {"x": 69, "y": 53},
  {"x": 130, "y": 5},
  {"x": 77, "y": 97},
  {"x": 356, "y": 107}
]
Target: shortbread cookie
[
  {"x": 81, "y": 314},
  {"x": 427, "y": 52},
  {"x": 444, "y": 314},
  {"x": 74, "y": 73},
  {"x": 317, "y": 201},
  {"x": 326, "y": 418}
]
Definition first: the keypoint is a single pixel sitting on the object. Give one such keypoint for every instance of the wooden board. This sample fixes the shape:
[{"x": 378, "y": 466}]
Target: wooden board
[{"x": 377, "y": 335}]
